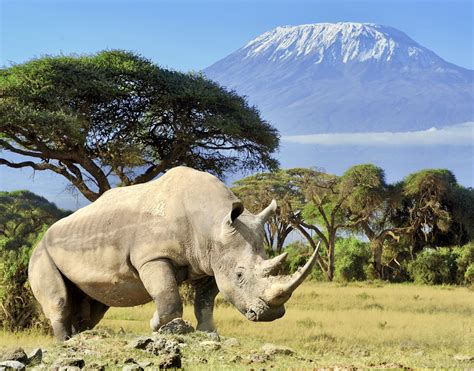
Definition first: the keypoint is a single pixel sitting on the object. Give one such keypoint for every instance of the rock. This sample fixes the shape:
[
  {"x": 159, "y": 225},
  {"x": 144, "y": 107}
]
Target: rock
[
  {"x": 271, "y": 349},
  {"x": 12, "y": 365},
  {"x": 68, "y": 363},
  {"x": 140, "y": 343},
  {"x": 212, "y": 345},
  {"x": 463, "y": 358},
  {"x": 177, "y": 326},
  {"x": 170, "y": 361},
  {"x": 163, "y": 346},
  {"x": 35, "y": 356},
  {"x": 16, "y": 355},
  {"x": 69, "y": 368},
  {"x": 214, "y": 336},
  {"x": 231, "y": 342}
]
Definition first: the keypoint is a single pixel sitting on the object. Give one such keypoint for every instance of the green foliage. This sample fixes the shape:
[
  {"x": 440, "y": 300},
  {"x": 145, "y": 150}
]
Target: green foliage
[
  {"x": 352, "y": 259},
  {"x": 465, "y": 263},
  {"x": 19, "y": 309},
  {"x": 435, "y": 267},
  {"x": 469, "y": 275},
  {"x": 24, "y": 218},
  {"x": 427, "y": 206},
  {"x": 116, "y": 116}
]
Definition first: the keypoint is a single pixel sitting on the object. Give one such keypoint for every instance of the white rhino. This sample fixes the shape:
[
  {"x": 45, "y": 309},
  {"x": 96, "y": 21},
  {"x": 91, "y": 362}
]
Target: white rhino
[{"x": 138, "y": 243}]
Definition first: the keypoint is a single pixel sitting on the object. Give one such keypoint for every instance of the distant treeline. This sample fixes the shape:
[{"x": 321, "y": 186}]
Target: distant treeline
[{"x": 418, "y": 229}]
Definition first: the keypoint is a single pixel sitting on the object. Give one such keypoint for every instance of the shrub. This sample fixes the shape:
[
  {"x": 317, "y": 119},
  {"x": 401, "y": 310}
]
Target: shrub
[
  {"x": 465, "y": 263},
  {"x": 469, "y": 275},
  {"x": 351, "y": 259},
  {"x": 434, "y": 267},
  {"x": 19, "y": 309}
]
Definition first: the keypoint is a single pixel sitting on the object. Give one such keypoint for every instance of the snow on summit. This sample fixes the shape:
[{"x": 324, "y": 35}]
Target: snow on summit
[
  {"x": 347, "y": 78},
  {"x": 343, "y": 42}
]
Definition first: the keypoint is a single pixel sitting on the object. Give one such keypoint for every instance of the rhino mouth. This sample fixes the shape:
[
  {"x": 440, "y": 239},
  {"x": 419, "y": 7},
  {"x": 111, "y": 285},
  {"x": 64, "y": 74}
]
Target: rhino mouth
[{"x": 263, "y": 313}]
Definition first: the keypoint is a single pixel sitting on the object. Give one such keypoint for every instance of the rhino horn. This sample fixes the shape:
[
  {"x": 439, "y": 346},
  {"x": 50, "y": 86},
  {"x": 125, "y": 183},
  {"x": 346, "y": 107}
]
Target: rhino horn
[
  {"x": 268, "y": 212},
  {"x": 272, "y": 266},
  {"x": 282, "y": 288}
]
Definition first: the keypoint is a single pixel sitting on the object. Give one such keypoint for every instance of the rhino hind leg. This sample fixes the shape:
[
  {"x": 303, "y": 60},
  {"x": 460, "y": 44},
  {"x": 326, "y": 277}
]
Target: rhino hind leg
[
  {"x": 50, "y": 289},
  {"x": 205, "y": 293},
  {"x": 87, "y": 311},
  {"x": 159, "y": 279}
]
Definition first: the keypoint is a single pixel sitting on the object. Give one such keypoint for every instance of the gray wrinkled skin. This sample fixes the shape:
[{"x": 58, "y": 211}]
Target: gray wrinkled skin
[{"x": 138, "y": 243}]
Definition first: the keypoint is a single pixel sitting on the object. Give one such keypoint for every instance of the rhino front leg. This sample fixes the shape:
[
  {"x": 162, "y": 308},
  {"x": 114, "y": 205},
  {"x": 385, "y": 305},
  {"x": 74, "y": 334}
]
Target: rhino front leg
[
  {"x": 205, "y": 293},
  {"x": 159, "y": 279}
]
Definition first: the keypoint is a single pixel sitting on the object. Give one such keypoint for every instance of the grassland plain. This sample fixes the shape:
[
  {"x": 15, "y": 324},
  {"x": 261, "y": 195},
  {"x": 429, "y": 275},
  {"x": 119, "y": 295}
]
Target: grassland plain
[{"x": 328, "y": 325}]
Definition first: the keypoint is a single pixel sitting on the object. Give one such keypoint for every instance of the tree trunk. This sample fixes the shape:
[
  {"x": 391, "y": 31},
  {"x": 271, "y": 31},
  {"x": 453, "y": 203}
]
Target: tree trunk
[
  {"x": 331, "y": 248},
  {"x": 377, "y": 249}
]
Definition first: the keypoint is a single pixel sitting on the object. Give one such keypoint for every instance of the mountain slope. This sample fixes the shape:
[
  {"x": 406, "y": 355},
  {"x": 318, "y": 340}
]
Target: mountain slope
[{"x": 347, "y": 77}]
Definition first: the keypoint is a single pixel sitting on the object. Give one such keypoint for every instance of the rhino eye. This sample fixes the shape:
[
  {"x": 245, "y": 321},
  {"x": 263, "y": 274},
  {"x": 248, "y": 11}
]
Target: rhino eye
[{"x": 239, "y": 275}]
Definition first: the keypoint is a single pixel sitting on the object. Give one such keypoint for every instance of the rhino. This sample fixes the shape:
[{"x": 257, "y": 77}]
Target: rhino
[{"x": 138, "y": 243}]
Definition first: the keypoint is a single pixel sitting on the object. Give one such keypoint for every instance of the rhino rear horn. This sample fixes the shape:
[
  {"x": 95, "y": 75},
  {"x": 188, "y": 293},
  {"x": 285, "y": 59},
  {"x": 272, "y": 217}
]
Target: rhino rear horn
[
  {"x": 268, "y": 212},
  {"x": 272, "y": 266}
]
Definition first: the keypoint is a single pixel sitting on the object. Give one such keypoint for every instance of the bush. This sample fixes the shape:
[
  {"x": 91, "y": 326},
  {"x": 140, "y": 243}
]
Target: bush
[
  {"x": 465, "y": 263},
  {"x": 469, "y": 275},
  {"x": 351, "y": 259},
  {"x": 19, "y": 309},
  {"x": 434, "y": 267}
]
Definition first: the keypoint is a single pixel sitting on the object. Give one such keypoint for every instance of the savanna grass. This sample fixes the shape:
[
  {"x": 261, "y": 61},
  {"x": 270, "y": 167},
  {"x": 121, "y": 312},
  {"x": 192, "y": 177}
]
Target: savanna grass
[{"x": 360, "y": 324}]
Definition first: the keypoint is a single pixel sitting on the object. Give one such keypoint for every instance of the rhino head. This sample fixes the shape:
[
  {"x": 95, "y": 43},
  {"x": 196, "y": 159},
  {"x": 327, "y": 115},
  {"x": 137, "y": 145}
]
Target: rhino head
[{"x": 243, "y": 274}]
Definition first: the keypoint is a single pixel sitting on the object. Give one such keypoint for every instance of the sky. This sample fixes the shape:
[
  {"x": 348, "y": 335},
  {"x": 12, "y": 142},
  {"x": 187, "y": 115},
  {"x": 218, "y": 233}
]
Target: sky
[{"x": 192, "y": 35}]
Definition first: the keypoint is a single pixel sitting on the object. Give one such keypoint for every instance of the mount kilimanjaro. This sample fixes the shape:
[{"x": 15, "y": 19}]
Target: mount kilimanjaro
[{"x": 347, "y": 77}]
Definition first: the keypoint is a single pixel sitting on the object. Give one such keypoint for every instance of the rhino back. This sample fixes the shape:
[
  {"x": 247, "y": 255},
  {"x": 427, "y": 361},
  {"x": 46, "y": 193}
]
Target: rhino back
[{"x": 107, "y": 241}]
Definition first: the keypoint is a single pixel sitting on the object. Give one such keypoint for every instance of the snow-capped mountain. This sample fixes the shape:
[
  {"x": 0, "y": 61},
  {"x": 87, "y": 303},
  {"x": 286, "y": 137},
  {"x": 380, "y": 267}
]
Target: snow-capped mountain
[{"x": 347, "y": 77}]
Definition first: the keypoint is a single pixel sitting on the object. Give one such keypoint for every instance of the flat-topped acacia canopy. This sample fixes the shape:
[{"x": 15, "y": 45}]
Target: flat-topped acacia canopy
[{"x": 117, "y": 116}]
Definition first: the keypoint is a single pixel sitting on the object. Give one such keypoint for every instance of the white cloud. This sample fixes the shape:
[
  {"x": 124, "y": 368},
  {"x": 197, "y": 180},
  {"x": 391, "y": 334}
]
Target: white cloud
[{"x": 457, "y": 135}]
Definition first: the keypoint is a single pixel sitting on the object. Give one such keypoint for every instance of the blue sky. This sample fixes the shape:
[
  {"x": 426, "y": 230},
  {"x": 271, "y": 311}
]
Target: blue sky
[{"x": 191, "y": 35}]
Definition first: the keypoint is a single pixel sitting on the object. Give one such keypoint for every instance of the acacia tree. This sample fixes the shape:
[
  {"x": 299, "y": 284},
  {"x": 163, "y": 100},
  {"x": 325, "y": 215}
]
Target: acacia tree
[
  {"x": 323, "y": 212},
  {"x": 115, "y": 117},
  {"x": 435, "y": 209},
  {"x": 257, "y": 192},
  {"x": 369, "y": 208}
]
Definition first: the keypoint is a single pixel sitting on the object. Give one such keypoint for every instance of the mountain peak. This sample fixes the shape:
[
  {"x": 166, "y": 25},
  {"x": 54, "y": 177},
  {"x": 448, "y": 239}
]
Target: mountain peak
[
  {"x": 344, "y": 42},
  {"x": 343, "y": 77}
]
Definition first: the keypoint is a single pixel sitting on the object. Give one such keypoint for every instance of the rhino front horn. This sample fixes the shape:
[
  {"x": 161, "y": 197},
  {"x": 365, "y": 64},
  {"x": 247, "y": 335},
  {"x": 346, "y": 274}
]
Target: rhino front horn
[{"x": 281, "y": 289}]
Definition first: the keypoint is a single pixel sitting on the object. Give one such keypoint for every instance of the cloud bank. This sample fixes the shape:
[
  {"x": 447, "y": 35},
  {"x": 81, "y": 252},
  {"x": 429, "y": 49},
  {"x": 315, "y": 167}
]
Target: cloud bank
[{"x": 456, "y": 135}]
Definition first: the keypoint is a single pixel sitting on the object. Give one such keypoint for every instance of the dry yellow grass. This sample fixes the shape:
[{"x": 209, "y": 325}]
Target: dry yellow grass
[{"x": 357, "y": 324}]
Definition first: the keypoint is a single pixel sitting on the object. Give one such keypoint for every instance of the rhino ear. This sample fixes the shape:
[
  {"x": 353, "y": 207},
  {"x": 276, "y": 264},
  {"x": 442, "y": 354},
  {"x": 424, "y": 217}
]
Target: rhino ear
[{"x": 237, "y": 209}]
